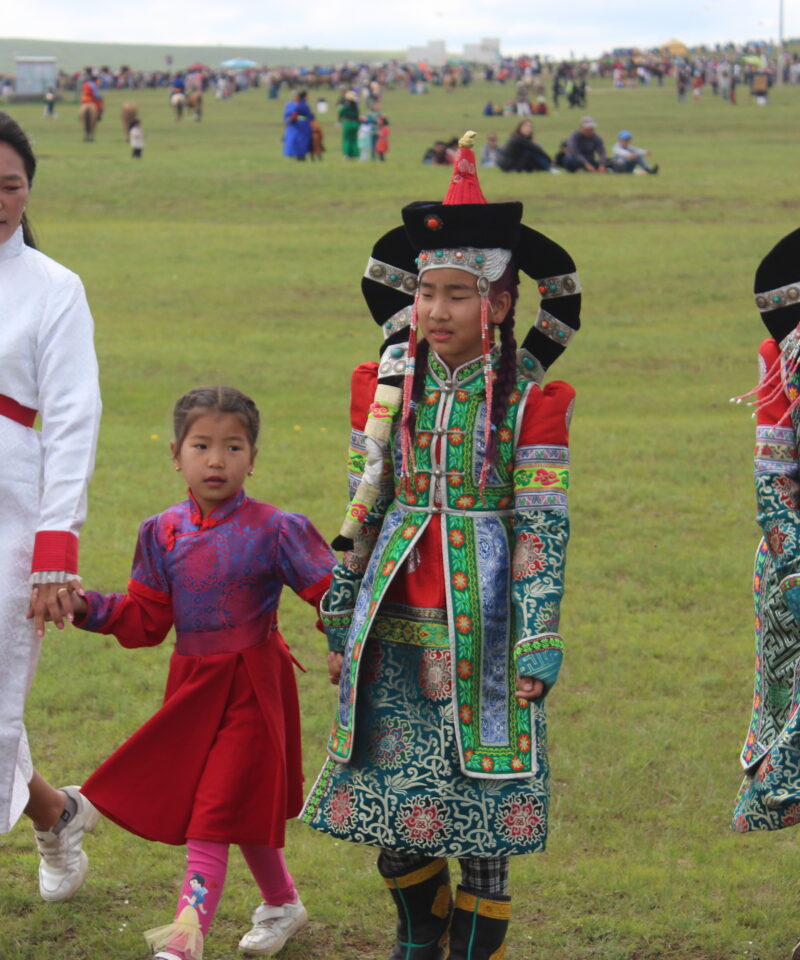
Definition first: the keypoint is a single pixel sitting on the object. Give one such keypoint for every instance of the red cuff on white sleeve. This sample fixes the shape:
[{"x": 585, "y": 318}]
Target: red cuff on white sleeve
[{"x": 55, "y": 550}]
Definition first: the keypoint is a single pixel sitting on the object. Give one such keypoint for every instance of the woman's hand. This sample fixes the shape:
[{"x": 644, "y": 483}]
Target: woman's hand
[
  {"x": 529, "y": 688},
  {"x": 56, "y": 602},
  {"x": 335, "y": 666}
]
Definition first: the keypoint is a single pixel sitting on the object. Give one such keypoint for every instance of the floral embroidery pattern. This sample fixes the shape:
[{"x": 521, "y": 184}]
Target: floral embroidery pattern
[
  {"x": 464, "y": 669},
  {"x": 340, "y": 809},
  {"x": 519, "y": 817},
  {"x": 389, "y": 743},
  {"x": 776, "y": 537},
  {"x": 424, "y": 822},
  {"x": 764, "y": 768},
  {"x": 786, "y": 489},
  {"x": 529, "y": 556},
  {"x": 791, "y": 816},
  {"x": 435, "y": 679},
  {"x": 457, "y": 538}
]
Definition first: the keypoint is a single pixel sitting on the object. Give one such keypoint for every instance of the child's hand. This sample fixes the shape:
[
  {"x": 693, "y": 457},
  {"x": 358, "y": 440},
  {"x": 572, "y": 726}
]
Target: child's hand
[
  {"x": 529, "y": 689},
  {"x": 56, "y": 602},
  {"x": 335, "y": 666}
]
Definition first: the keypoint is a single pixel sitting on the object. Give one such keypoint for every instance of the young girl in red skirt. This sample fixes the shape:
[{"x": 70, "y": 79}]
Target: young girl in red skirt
[{"x": 219, "y": 762}]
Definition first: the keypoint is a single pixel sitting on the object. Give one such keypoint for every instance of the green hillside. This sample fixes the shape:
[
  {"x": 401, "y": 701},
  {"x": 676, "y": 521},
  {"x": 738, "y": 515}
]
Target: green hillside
[{"x": 72, "y": 55}]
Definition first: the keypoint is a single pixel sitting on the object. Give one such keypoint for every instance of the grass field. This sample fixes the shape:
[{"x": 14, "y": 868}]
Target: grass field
[{"x": 216, "y": 259}]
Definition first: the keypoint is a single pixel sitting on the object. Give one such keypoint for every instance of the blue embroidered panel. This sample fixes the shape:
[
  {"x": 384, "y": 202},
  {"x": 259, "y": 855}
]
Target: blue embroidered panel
[{"x": 494, "y": 566}]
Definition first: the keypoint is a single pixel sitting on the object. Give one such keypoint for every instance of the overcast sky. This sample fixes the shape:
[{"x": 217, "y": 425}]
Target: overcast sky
[{"x": 556, "y": 27}]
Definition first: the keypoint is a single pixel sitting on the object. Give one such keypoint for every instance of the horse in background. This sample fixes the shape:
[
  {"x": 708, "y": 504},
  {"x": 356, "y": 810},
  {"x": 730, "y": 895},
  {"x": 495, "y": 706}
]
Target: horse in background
[
  {"x": 177, "y": 101},
  {"x": 194, "y": 102},
  {"x": 89, "y": 117},
  {"x": 129, "y": 112}
]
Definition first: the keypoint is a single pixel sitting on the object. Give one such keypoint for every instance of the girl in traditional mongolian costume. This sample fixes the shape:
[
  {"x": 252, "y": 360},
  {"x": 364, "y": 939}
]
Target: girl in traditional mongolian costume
[
  {"x": 219, "y": 763},
  {"x": 47, "y": 368},
  {"x": 442, "y": 617},
  {"x": 769, "y": 798}
]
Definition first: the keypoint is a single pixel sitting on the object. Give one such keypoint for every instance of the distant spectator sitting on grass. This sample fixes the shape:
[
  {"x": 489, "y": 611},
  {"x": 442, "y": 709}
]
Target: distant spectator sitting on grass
[
  {"x": 522, "y": 154},
  {"x": 585, "y": 149},
  {"x": 490, "y": 154},
  {"x": 626, "y": 158}
]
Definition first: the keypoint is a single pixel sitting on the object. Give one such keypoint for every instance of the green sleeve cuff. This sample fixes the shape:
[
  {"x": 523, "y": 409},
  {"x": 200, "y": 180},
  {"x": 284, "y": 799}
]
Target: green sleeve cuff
[
  {"x": 540, "y": 657},
  {"x": 336, "y": 622}
]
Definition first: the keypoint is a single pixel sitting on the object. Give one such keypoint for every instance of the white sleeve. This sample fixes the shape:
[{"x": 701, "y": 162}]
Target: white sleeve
[{"x": 69, "y": 405}]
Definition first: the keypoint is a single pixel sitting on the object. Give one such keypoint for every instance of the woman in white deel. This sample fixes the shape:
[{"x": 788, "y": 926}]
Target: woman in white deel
[{"x": 47, "y": 367}]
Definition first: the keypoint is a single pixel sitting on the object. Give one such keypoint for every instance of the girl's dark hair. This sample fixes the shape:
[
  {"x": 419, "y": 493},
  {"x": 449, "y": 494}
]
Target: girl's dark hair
[
  {"x": 520, "y": 125},
  {"x": 507, "y": 369},
  {"x": 11, "y": 133},
  {"x": 196, "y": 403}
]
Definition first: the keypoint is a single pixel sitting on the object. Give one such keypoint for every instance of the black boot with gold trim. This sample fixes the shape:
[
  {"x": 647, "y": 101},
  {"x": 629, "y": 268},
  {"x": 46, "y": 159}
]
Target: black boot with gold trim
[
  {"x": 478, "y": 928},
  {"x": 424, "y": 902}
]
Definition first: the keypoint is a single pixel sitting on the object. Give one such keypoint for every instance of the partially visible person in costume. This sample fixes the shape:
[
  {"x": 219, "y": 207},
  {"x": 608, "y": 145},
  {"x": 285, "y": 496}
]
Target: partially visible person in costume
[
  {"x": 317, "y": 140},
  {"x": 47, "y": 368},
  {"x": 349, "y": 118},
  {"x": 220, "y": 762},
  {"x": 382, "y": 143},
  {"x": 297, "y": 134},
  {"x": 90, "y": 92},
  {"x": 769, "y": 798},
  {"x": 442, "y": 618}
]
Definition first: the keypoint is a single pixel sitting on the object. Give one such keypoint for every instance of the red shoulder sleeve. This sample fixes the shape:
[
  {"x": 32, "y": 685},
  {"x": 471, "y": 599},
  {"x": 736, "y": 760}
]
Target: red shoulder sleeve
[
  {"x": 362, "y": 393},
  {"x": 547, "y": 415},
  {"x": 770, "y": 408}
]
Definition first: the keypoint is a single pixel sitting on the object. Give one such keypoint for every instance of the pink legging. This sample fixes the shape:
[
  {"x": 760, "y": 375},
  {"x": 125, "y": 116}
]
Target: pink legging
[{"x": 207, "y": 864}]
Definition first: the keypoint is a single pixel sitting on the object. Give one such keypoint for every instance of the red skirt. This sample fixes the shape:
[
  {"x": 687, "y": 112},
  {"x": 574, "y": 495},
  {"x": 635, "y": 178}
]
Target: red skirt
[{"x": 219, "y": 761}]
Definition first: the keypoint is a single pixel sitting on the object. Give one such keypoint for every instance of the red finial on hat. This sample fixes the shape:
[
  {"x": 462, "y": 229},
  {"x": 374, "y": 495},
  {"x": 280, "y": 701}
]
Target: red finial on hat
[{"x": 464, "y": 187}]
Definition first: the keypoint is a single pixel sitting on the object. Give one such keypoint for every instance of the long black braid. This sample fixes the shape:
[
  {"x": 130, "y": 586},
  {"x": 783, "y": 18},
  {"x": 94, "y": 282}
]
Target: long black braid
[{"x": 507, "y": 368}]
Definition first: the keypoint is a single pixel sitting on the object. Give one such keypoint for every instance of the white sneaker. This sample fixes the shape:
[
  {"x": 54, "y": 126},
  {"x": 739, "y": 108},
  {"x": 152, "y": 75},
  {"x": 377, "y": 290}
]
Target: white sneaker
[
  {"x": 63, "y": 864},
  {"x": 272, "y": 927}
]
